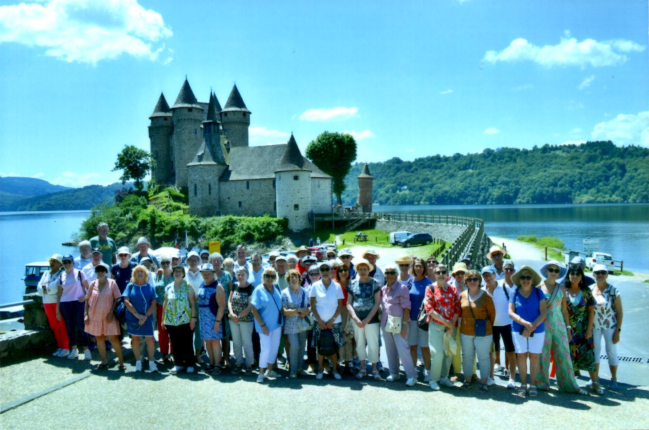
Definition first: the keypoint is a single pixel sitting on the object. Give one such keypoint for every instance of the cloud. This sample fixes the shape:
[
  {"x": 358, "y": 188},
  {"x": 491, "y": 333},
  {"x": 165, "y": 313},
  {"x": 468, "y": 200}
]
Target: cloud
[
  {"x": 491, "y": 130},
  {"x": 574, "y": 142},
  {"x": 449, "y": 91},
  {"x": 569, "y": 52},
  {"x": 333, "y": 114},
  {"x": 360, "y": 135},
  {"x": 75, "y": 180},
  {"x": 85, "y": 31},
  {"x": 524, "y": 87},
  {"x": 586, "y": 82},
  {"x": 625, "y": 129}
]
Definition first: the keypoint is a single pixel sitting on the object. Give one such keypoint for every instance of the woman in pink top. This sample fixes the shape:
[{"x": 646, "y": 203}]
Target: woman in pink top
[
  {"x": 70, "y": 306},
  {"x": 99, "y": 318}
]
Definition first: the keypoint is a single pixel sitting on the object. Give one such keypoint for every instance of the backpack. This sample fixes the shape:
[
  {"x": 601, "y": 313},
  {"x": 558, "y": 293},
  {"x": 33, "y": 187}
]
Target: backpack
[{"x": 327, "y": 344}]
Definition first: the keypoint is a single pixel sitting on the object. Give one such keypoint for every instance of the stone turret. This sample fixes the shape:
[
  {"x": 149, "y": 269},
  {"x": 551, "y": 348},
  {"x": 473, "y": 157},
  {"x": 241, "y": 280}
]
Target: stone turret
[
  {"x": 235, "y": 118},
  {"x": 160, "y": 132},
  {"x": 293, "y": 187},
  {"x": 365, "y": 194},
  {"x": 187, "y": 115}
]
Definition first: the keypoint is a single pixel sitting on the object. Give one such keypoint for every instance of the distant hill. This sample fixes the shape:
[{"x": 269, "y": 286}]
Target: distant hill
[
  {"x": 594, "y": 172},
  {"x": 71, "y": 199},
  {"x": 28, "y": 187}
]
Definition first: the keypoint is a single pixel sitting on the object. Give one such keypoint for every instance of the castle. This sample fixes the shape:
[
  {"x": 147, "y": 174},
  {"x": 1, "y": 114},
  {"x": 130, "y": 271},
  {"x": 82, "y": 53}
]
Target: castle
[{"x": 204, "y": 149}]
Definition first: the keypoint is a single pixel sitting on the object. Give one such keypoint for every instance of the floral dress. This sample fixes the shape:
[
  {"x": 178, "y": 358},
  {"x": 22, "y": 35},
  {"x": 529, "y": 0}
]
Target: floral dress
[
  {"x": 178, "y": 311},
  {"x": 582, "y": 350},
  {"x": 556, "y": 340}
]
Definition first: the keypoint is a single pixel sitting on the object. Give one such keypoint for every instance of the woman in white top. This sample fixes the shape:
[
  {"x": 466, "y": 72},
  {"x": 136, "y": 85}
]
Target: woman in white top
[
  {"x": 195, "y": 279},
  {"x": 49, "y": 288}
]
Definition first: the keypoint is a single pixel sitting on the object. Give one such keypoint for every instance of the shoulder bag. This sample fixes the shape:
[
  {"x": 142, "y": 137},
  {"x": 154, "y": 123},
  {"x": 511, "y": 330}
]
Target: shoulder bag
[
  {"x": 422, "y": 318},
  {"x": 480, "y": 325}
]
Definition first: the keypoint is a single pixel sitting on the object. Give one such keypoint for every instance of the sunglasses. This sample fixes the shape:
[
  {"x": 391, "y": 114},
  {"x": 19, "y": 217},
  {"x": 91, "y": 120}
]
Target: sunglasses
[
  {"x": 430, "y": 263},
  {"x": 270, "y": 276},
  {"x": 496, "y": 255},
  {"x": 100, "y": 271},
  {"x": 390, "y": 272},
  {"x": 331, "y": 255},
  {"x": 166, "y": 263},
  {"x": 67, "y": 262},
  {"x": 509, "y": 270},
  {"x": 550, "y": 270},
  {"x": 601, "y": 272},
  {"x": 473, "y": 280},
  {"x": 574, "y": 274},
  {"x": 345, "y": 257},
  {"x": 314, "y": 273},
  {"x": 525, "y": 278},
  {"x": 440, "y": 272},
  {"x": 458, "y": 273},
  {"x": 122, "y": 255},
  {"x": 343, "y": 270},
  {"x": 324, "y": 269}
]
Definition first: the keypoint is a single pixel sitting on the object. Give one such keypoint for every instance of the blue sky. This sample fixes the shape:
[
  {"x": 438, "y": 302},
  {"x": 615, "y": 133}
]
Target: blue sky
[{"x": 408, "y": 79}]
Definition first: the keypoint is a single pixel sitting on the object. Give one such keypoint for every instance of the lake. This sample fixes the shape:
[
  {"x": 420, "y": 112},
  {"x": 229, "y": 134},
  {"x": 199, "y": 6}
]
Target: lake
[{"x": 623, "y": 231}]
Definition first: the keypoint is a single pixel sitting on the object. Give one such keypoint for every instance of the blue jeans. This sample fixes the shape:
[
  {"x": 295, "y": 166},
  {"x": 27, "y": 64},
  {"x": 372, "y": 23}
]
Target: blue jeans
[
  {"x": 298, "y": 342},
  {"x": 72, "y": 313}
]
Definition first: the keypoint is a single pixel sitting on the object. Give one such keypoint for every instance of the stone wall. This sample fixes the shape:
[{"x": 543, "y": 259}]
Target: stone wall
[
  {"x": 160, "y": 136},
  {"x": 247, "y": 198},
  {"x": 235, "y": 124},
  {"x": 294, "y": 198},
  {"x": 35, "y": 340},
  {"x": 204, "y": 189},
  {"x": 321, "y": 195},
  {"x": 187, "y": 137},
  {"x": 439, "y": 231}
]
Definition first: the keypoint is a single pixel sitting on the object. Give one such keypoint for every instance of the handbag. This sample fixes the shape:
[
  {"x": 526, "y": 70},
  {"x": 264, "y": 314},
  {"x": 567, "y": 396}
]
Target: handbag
[
  {"x": 480, "y": 325},
  {"x": 120, "y": 310},
  {"x": 422, "y": 318},
  {"x": 393, "y": 324},
  {"x": 306, "y": 323}
]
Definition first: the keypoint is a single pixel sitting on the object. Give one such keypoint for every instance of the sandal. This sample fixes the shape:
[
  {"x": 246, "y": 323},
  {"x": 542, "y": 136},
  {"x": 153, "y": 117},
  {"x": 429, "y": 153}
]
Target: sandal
[
  {"x": 521, "y": 391},
  {"x": 121, "y": 368},
  {"x": 361, "y": 374},
  {"x": 484, "y": 388},
  {"x": 597, "y": 389},
  {"x": 102, "y": 366},
  {"x": 532, "y": 391},
  {"x": 582, "y": 392},
  {"x": 466, "y": 385},
  {"x": 376, "y": 375}
]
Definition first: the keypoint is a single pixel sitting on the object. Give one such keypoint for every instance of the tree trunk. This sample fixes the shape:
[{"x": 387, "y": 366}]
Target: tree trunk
[{"x": 339, "y": 199}]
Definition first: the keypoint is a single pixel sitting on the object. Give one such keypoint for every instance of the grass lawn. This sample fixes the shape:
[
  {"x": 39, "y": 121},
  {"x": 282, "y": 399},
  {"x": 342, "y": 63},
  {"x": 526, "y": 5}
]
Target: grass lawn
[{"x": 549, "y": 242}]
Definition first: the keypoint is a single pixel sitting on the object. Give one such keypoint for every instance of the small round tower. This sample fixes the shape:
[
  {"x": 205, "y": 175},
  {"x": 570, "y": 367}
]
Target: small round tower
[
  {"x": 187, "y": 116},
  {"x": 160, "y": 136},
  {"x": 293, "y": 188},
  {"x": 365, "y": 194},
  {"x": 235, "y": 118}
]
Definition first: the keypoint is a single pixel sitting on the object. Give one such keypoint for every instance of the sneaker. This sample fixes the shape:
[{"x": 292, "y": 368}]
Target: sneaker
[
  {"x": 392, "y": 378},
  {"x": 505, "y": 372},
  {"x": 337, "y": 376},
  {"x": 190, "y": 369},
  {"x": 511, "y": 385},
  {"x": 319, "y": 376},
  {"x": 496, "y": 367},
  {"x": 272, "y": 374},
  {"x": 177, "y": 369},
  {"x": 57, "y": 353},
  {"x": 410, "y": 382},
  {"x": 446, "y": 383},
  {"x": 426, "y": 377},
  {"x": 64, "y": 353},
  {"x": 490, "y": 382},
  {"x": 73, "y": 354},
  {"x": 433, "y": 385},
  {"x": 87, "y": 355},
  {"x": 138, "y": 366},
  {"x": 260, "y": 378},
  {"x": 152, "y": 366},
  {"x": 613, "y": 385}
]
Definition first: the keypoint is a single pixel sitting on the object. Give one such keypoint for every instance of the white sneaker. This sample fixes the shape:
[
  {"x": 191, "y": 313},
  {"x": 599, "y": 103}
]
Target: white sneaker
[
  {"x": 337, "y": 376},
  {"x": 490, "y": 382},
  {"x": 318, "y": 376},
  {"x": 272, "y": 374},
  {"x": 410, "y": 382},
  {"x": 87, "y": 355},
  {"x": 496, "y": 367},
  {"x": 177, "y": 369},
  {"x": 190, "y": 369},
  {"x": 260, "y": 378},
  {"x": 446, "y": 382},
  {"x": 63, "y": 353},
  {"x": 73, "y": 354},
  {"x": 152, "y": 366},
  {"x": 392, "y": 378},
  {"x": 57, "y": 353},
  {"x": 138, "y": 366},
  {"x": 433, "y": 385},
  {"x": 426, "y": 377},
  {"x": 511, "y": 385}
]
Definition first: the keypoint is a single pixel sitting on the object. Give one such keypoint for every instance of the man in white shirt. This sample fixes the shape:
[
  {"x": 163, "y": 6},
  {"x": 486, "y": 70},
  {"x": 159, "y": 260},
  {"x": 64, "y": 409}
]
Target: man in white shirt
[
  {"x": 86, "y": 257},
  {"x": 497, "y": 256},
  {"x": 371, "y": 256},
  {"x": 89, "y": 269},
  {"x": 257, "y": 269}
]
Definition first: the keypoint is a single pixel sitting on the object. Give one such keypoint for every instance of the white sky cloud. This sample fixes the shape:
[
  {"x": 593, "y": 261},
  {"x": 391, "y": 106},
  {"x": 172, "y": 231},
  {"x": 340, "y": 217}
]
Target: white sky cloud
[
  {"x": 624, "y": 129},
  {"x": 569, "y": 52},
  {"x": 586, "y": 82},
  {"x": 449, "y": 91},
  {"x": 360, "y": 135},
  {"x": 574, "y": 142},
  {"x": 267, "y": 132},
  {"x": 86, "y": 31},
  {"x": 491, "y": 130},
  {"x": 76, "y": 180},
  {"x": 333, "y": 114}
]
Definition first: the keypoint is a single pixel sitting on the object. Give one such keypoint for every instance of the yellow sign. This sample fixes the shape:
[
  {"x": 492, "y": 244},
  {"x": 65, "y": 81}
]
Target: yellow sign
[{"x": 215, "y": 246}]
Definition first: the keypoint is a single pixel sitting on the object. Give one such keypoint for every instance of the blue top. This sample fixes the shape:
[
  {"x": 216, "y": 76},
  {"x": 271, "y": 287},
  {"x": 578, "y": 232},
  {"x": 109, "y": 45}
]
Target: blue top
[
  {"x": 417, "y": 293},
  {"x": 140, "y": 297},
  {"x": 122, "y": 275},
  {"x": 262, "y": 300},
  {"x": 527, "y": 308}
]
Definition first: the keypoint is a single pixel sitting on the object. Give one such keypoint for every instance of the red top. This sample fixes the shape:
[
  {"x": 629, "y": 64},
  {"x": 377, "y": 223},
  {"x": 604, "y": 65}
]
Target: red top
[{"x": 444, "y": 301}]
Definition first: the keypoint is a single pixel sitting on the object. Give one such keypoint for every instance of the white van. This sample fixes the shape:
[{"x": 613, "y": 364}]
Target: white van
[{"x": 398, "y": 236}]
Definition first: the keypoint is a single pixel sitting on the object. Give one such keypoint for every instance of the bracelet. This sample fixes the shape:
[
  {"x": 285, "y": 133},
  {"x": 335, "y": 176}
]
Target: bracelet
[
  {"x": 193, "y": 318},
  {"x": 218, "y": 321}
]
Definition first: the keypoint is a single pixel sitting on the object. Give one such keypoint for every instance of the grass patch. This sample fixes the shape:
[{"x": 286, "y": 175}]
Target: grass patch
[{"x": 549, "y": 242}]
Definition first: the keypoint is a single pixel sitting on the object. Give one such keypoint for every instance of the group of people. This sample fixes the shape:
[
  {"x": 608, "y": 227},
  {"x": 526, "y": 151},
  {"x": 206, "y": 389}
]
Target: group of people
[{"x": 337, "y": 312}]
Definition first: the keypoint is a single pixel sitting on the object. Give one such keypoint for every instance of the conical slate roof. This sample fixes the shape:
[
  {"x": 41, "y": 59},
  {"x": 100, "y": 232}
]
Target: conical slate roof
[
  {"x": 212, "y": 114},
  {"x": 217, "y": 105},
  {"x": 208, "y": 155},
  {"x": 161, "y": 108},
  {"x": 292, "y": 158},
  {"x": 365, "y": 173},
  {"x": 235, "y": 101},
  {"x": 186, "y": 97}
]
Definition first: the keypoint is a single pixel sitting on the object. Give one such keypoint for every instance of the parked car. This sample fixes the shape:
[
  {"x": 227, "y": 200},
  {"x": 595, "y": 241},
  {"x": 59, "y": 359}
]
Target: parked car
[
  {"x": 417, "y": 239},
  {"x": 599, "y": 258},
  {"x": 397, "y": 236}
]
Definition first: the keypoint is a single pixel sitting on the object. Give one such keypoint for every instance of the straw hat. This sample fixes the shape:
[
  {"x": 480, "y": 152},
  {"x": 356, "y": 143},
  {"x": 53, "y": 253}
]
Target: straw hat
[
  {"x": 494, "y": 249},
  {"x": 404, "y": 259},
  {"x": 536, "y": 278},
  {"x": 459, "y": 267},
  {"x": 371, "y": 252},
  {"x": 362, "y": 262}
]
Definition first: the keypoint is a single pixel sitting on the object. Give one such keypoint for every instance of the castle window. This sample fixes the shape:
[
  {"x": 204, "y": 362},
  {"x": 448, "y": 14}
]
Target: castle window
[
  {"x": 239, "y": 203},
  {"x": 273, "y": 183},
  {"x": 296, "y": 177},
  {"x": 244, "y": 114},
  {"x": 296, "y": 207},
  {"x": 164, "y": 119},
  {"x": 189, "y": 110},
  {"x": 225, "y": 113},
  {"x": 209, "y": 189},
  {"x": 195, "y": 131},
  {"x": 247, "y": 185},
  {"x": 195, "y": 190}
]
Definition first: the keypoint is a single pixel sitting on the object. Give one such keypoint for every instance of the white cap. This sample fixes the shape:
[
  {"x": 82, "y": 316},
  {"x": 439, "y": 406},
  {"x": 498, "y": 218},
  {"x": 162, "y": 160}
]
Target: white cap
[
  {"x": 599, "y": 268},
  {"x": 142, "y": 240},
  {"x": 124, "y": 250}
]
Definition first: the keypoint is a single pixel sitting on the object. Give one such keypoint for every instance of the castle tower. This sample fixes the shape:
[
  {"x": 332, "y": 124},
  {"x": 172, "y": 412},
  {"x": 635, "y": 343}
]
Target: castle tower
[
  {"x": 160, "y": 132},
  {"x": 365, "y": 196},
  {"x": 235, "y": 118},
  {"x": 293, "y": 188},
  {"x": 187, "y": 137}
]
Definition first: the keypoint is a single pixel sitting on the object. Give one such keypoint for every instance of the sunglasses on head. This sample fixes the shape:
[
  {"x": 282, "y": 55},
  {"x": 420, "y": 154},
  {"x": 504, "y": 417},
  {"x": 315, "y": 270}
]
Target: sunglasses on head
[
  {"x": 525, "y": 278},
  {"x": 601, "y": 272},
  {"x": 551, "y": 270},
  {"x": 473, "y": 280}
]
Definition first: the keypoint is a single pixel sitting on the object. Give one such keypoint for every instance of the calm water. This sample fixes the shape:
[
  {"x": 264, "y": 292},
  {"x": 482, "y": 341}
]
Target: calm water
[{"x": 623, "y": 231}]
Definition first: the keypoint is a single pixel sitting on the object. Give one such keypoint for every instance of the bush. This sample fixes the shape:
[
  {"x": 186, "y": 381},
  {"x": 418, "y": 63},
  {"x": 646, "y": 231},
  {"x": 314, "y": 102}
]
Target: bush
[{"x": 528, "y": 239}]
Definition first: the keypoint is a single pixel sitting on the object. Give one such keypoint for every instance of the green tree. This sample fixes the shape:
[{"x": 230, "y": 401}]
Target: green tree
[
  {"x": 135, "y": 164},
  {"x": 334, "y": 154}
]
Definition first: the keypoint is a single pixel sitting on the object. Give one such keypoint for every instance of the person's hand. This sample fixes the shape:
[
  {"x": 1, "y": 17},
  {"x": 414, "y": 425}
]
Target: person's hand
[
  {"x": 569, "y": 335},
  {"x": 142, "y": 319},
  {"x": 82, "y": 299},
  {"x": 217, "y": 326},
  {"x": 110, "y": 317},
  {"x": 528, "y": 326},
  {"x": 449, "y": 324},
  {"x": 163, "y": 327},
  {"x": 330, "y": 323},
  {"x": 527, "y": 332},
  {"x": 589, "y": 333},
  {"x": 265, "y": 330},
  {"x": 159, "y": 272},
  {"x": 192, "y": 324},
  {"x": 86, "y": 319},
  {"x": 616, "y": 337},
  {"x": 234, "y": 319},
  {"x": 450, "y": 331},
  {"x": 58, "y": 315},
  {"x": 359, "y": 323},
  {"x": 404, "y": 331}
]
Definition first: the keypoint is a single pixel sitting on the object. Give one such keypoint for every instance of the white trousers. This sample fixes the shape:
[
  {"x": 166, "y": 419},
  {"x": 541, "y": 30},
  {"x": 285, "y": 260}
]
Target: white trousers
[
  {"x": 269, "y": 347},
  {"x": 611, "y": 349},
  {"x": 367, "y": 342}
]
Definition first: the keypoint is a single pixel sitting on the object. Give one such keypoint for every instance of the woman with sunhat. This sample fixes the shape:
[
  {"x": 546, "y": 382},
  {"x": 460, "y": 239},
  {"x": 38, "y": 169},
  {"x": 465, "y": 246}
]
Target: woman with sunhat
[
  {"x": 405, "y": 266},
  {"x": 558, "y": 332},
  {"x": 49, "y": 288},
  {"x": 527, "y": 309},
  {"x": 497, "y": 255},
  {"x": 211, "y": 307},
  {"x": 377, "y": 274}
]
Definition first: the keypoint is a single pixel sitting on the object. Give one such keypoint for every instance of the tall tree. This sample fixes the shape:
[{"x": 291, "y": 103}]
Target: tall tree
[
  {"x": 334, "y": 154},
  {"x": 135, "y": 164}
]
